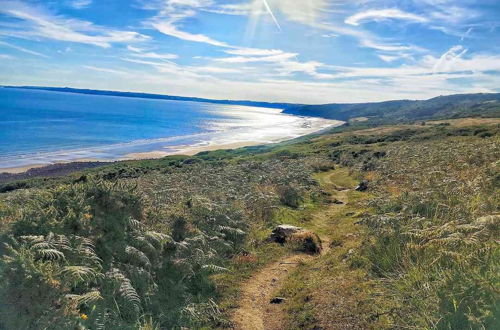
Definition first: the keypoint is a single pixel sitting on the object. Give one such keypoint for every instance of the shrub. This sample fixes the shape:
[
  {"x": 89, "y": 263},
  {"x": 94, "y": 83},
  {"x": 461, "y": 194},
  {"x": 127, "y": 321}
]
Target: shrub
[{"x": 290, "y": 196}]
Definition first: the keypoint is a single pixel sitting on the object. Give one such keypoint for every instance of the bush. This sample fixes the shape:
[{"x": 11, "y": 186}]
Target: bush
[{"x": 290, "y": 196}]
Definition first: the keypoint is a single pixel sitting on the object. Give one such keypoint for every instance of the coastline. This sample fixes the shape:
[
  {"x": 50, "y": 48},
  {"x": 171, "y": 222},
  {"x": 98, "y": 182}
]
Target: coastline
[
  {"x": 192, "y": 150},
  {"x": 51, "y": 169}
]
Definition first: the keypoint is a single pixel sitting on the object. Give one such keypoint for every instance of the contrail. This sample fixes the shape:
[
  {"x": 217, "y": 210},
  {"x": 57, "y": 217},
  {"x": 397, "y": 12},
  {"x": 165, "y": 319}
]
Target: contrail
[{"x": 271, "y": 13}]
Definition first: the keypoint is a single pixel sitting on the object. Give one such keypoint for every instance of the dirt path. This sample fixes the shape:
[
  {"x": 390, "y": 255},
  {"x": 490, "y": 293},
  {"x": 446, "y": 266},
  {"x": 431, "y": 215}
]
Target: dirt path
[{"x": 255, "y": 311}]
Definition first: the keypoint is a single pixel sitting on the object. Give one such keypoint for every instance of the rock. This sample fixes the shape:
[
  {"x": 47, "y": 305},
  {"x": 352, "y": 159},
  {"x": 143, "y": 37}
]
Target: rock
[
  {"x": 362, "y": 186},
  {"x": 281, "y": 233},
  {"x": 336, "y": 201},
  {"x": 305, "y": 241},
  {"x": 277, "y": 300}
]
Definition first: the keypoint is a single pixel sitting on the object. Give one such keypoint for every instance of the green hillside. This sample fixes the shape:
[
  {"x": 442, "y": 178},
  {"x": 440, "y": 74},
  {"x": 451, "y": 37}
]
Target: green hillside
[{"x": 453, "y": 106}]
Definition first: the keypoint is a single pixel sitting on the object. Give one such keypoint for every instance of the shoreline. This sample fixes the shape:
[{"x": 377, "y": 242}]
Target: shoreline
[{"x": 187, "y": 150}]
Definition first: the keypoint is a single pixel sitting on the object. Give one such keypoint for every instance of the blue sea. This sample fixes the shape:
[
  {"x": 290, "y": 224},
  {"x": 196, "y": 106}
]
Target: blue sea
[{"x": 44, "y": 127}]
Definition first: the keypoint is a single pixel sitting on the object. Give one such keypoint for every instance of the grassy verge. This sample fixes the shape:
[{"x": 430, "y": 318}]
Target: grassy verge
[{"x": 334, "y": 291}]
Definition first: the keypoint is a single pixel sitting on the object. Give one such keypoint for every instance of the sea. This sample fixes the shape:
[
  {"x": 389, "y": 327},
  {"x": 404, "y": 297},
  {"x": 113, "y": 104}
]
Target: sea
[{"x": 45, "y": 127}]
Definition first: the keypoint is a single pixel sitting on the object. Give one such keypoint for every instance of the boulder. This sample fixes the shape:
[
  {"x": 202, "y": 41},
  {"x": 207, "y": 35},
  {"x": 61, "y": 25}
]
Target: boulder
[
  {"x": 362, "y": 186},
  {"x": 281, "y": 233}
]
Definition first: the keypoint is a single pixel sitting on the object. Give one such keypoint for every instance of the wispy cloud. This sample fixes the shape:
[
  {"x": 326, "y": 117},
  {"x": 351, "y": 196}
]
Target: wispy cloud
[
  {"x": 168, "y": 27},
  {"x": 21, "y": 49},
  {"x": 170, "y": 15},
  {"x": 80, "y": 4},
  {"x": 138, "y": 52},
  {"x": 38, "y": 23},
  {"x": 383, "y": 14},
  {"x": 283, "y": 63},
  {"x": 106, "y": 70}
]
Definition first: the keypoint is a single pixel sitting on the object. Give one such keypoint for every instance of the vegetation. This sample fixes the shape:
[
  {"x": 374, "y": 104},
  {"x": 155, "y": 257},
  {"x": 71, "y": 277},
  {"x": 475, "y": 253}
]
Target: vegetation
[
  {"x": 436, "y": 236},
  {"x": 453, "y": 106},
  {"x": 167, "y": 243}
]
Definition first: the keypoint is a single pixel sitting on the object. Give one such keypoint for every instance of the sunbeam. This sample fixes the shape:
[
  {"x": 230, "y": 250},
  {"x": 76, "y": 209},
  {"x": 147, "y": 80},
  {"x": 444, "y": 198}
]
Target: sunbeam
[{"x": 271, "y": 13}]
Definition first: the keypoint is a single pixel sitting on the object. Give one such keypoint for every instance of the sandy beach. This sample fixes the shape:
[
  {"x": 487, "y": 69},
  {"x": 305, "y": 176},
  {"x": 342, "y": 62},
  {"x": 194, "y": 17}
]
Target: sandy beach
[{"x": 189, "y": 150}]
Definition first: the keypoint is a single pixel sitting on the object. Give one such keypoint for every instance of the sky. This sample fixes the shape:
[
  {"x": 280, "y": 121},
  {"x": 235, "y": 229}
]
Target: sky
[{"x": 300, "y": 51}]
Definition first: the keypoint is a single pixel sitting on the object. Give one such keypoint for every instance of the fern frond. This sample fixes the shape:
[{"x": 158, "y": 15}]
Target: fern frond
[
  {"x": 79, "y": 273},
  {"x": 214, "y": 268},
  {"x": 87, "y": 298},
  {"x": 231, "y": 230},
  {"x": 158, "y": 239},
  {"x": 137, "y": 256},
  {"x": 51, "y": 254}
]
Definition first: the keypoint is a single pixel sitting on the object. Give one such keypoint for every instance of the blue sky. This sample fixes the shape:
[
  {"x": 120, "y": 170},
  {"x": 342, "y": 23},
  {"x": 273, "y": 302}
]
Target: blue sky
[{"x": 310, "y": 51}]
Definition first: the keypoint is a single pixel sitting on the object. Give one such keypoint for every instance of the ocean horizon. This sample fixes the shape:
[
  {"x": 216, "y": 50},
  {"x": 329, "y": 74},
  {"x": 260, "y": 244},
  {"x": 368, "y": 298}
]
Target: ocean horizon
[{"x": 45, "y": 127}]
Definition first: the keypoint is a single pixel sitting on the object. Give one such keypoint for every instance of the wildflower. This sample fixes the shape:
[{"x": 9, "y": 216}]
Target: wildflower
[
  {"x": 84, "y": 316},
  {"x": 87, "y": 216}
]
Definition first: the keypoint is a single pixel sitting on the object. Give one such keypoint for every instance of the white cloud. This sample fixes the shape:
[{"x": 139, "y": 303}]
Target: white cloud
[
  {"x": 383, "y": 14},
  {"x": 106, "y": 70},
  {"x": 254, "y": 52},
  {"x": 388, "y": 58},
  {"x": 172, "y": 12},
  {"x": 168, "y": 27},
  {"x": 279, "y": 57},
  {"x": 21, "y": 49},
  {"x": 305, "y": 11},
  {"x": 80, "y": 4},
  {"x": 215, "y": 69},
  {"x": 448, "y": 59},
  {"x": 138, "y": 52},
  {"x": 40, "y": 24},
  {"x": 278, "y": 62}
]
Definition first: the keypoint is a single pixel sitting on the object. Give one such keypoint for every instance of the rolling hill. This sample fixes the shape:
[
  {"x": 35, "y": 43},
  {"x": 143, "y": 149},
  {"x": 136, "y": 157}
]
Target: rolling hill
[{"x": 452, "y": 106}]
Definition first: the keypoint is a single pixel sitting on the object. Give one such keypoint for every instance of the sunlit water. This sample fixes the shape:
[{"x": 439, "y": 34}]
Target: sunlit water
[{"x": 43, "y": 127}]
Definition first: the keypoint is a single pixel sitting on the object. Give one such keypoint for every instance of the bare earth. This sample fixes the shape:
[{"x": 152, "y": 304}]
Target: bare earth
[{"x": 255, "y": 311}]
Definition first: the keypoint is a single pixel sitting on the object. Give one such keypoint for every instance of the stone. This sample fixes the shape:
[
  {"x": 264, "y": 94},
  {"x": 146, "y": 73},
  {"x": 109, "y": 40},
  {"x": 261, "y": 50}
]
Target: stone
[
  {"x": 281, "y": 233},
  {"x": 362, "y": 186}
]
